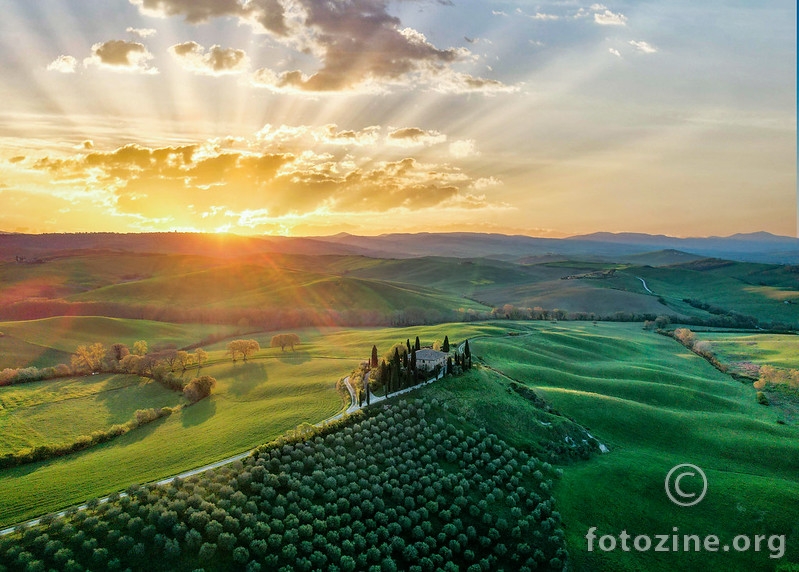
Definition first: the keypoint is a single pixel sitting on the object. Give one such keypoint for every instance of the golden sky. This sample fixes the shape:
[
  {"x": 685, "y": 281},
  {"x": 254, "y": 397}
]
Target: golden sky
[{"x": 304, "y": 117}]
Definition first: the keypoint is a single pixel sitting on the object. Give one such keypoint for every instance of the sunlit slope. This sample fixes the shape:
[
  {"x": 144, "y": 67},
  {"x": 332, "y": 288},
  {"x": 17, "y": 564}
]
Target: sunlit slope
[
  {"x": 58, "y": 412},
  {"x": 779, "y": 350},
  {"x": 251, "y": 286},
  {"x": 751, "y": 289},
  {"x": 657, "y": 405},
  {"x": 51, "y": 341},
  {"x": 252, "y": 403},
  {"x": 72, "y": 273}
]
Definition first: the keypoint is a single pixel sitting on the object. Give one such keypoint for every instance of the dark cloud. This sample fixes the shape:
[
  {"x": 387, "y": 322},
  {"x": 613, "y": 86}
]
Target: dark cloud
[
  {"x": 121, "y": 54},
  {"x": 357, "y": 42},
  {"x": 118, "y": 52},
  {"x": 267, "y": 14}
]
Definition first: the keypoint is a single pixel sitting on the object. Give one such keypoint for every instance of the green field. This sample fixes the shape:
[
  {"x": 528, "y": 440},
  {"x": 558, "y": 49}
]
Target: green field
[
  {"x": 651, "y": 401},
  {"x": 57, "y": 412},
  {"x": 657, "y": 405},
  {"x": 50, "y": 341},
  {"x": 252, "y": 403},
  {"x": 757, "y": 290},
  {"x": 779, "y": 350}
]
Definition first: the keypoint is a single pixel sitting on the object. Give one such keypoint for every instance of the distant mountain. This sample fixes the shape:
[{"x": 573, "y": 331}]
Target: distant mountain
[
  {"x": 755, "y": 247},
  {"x": 668, "y": 257},
  {"x": 750, "y": 247}
]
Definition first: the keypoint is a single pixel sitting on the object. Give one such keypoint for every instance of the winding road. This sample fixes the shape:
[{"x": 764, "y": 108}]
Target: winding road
[
  {"x": 352, "y": 408},
  {"x": 645, "y": 286}
]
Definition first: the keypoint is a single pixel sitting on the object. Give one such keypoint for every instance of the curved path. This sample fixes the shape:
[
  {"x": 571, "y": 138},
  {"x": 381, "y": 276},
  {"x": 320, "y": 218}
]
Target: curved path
[
  {"x": 191, "y": 472},
  {"x": 645, "y": 286}
]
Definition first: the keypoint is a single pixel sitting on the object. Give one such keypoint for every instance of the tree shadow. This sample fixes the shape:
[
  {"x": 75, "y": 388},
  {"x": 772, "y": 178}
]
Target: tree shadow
[
  {"x": 198, "y": 413},
  {"x": 294, "y": 357},
  {"x": 244, "y": 377}
]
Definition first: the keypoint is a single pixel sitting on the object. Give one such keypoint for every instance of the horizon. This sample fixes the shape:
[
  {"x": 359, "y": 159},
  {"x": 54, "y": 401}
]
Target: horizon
[
  {"x": 417, "y": 233},
  {"x": 381, "y": 117}
]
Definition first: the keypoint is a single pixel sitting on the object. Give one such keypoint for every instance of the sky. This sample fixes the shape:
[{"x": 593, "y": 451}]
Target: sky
[{"x": 311, "y": 117}]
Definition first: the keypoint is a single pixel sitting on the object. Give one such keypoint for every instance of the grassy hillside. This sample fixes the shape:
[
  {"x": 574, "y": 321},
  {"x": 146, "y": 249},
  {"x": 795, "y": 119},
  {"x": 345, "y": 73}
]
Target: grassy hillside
[
  {"x": 750, "y": 289},
  {"x": 57, "y": 412},
  {"x": 397, "y": 489},
  {"x": 188, "y": 287},
  {"x": 252, "y": 403},
  {"x": 646, "y": 397},
  {"x": 760, "y": 349},
  {"x": 51, "y": 341},
  {"x": 657, "y": 405}
]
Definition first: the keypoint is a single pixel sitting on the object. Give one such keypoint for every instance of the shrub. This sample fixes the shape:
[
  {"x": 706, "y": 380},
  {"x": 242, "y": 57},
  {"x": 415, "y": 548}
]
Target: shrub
[{"x": 199, "y": 388}]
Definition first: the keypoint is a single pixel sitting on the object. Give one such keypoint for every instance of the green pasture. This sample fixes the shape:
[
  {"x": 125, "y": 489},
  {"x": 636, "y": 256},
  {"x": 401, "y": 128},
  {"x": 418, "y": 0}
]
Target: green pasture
[
  {"x": 50, "y": 341},
  {"x": 253, "y": 403},
  {"x": 73, "y": 273},
  {"x": 57, "y": 412},
  {"x": 264, "y": 286},
  {"x": 779, "y": 350},
  {"x": 749, "y": 289},
  {"x": 656, "y": 405}
]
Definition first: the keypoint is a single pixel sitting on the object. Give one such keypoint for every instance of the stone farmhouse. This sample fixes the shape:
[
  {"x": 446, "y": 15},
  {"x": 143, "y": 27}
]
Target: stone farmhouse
[{"x": 427, "y": 359}]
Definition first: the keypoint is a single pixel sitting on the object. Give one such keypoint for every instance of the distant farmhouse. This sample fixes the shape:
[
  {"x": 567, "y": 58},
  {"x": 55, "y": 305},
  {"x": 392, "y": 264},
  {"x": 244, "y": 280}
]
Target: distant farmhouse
[{"x": 427, "y": 359}]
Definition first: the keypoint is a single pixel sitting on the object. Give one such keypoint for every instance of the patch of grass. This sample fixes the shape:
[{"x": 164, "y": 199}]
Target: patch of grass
[
  {"x": 657, "y": 405},
  {"x": 253, "y": 402},
  {"x": 50, "y": 341},
  {"x": 779, "y": 350},
  {"x": 735, "y": 286},
  {"x": 57, "y": 412}
]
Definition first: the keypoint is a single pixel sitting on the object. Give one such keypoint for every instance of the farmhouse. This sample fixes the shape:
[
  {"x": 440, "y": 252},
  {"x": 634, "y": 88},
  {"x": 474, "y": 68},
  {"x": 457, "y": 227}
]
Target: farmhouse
[{"x": 428, "y": 359}]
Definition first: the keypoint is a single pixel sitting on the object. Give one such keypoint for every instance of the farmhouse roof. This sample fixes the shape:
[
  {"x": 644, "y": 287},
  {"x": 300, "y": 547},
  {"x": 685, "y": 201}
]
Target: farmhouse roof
[{"x": 429, "y": 354}]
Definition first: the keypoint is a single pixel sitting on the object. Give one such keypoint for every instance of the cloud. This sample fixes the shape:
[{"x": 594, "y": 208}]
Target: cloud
[
  {"x": 358, "y": 45},
  {"x": 266, "y": 180},
  {"x": 602, "y": 15},
  {"x": 332, "y": 135},
  {"x": 216, "y": 61},
  {"x": 463, "y": 148},
  {"x": 615, "y": 52},
  {"x": 121, "y": 55},
  {"x": 63, "y": 64},
  {"x": 85, "y": 145},
  {"x": 545, "y": 17},
  {"x": 141, "y": 32},
  {"x": 414, "y": 136},
  {"x": 643, "y": 47},
  {"x": 608, "y": 18}
]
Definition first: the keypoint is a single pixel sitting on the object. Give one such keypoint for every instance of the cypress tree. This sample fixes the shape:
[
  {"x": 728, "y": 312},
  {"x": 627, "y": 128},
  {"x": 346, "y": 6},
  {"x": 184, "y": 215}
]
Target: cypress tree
[
  {"x": 445, "y": 347},
  {"x": 394, "y": 377},
  {"x": 384, "y": 374},
  {"x": 467, "y": 356},
  {"x": 418, "y": 346},
  {"x": 449, "y": 365},
  {"x": 373, "y": 363},
  {"x": 408, "y": 344},
  {"x": 413, "y": 362}
]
